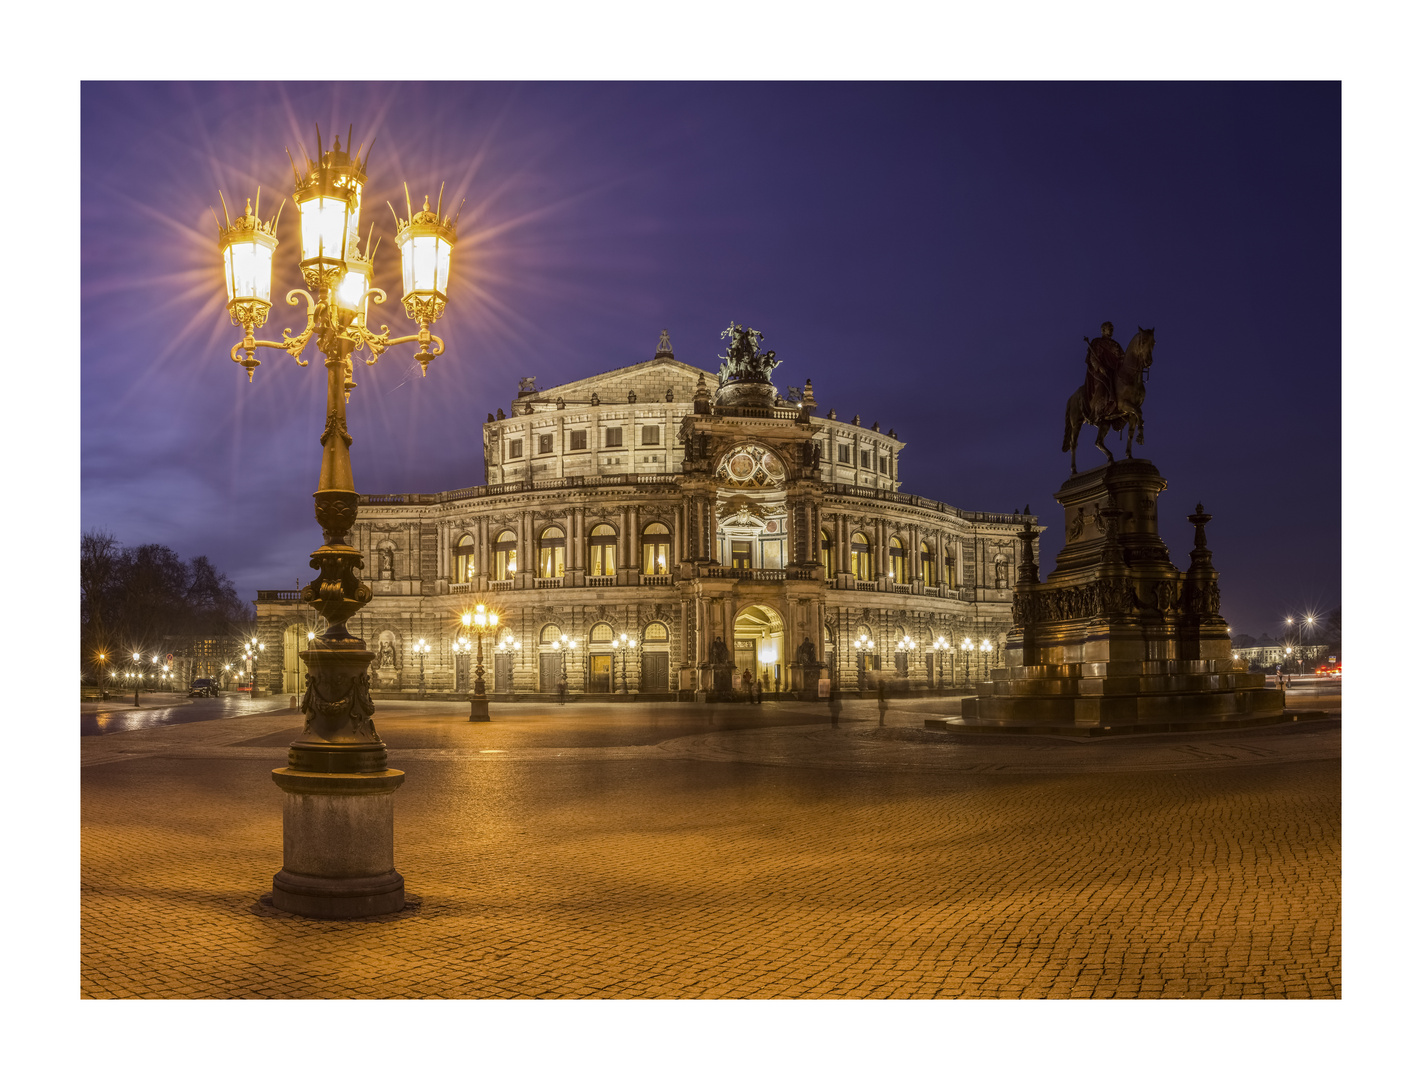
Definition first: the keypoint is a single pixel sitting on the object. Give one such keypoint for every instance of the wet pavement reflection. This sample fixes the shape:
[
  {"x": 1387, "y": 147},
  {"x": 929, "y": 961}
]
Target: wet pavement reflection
[{"x": 166, "y": 709}]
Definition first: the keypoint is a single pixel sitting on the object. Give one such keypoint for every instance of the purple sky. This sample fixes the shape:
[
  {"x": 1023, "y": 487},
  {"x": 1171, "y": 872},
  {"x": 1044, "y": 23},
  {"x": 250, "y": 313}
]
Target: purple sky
[{"x": 930, "y": 254}]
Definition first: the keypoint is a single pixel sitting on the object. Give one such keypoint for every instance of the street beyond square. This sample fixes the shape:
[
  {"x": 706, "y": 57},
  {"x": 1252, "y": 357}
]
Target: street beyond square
[{"x": 665, "y": 850}]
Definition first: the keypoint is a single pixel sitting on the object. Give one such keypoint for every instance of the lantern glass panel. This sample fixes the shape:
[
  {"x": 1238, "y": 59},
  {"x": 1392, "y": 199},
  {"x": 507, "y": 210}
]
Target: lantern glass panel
[
  {"x": 249, "y": 270},
  {"x": 425, "y": 265},
  {"x": 323, "y": 228},
  {"x": 351, "y": 292}
]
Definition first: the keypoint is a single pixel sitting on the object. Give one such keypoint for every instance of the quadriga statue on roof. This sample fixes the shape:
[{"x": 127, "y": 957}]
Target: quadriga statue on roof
[
  {"x": 743, "y": 361},
  {"x": 1114, "y": 391}
]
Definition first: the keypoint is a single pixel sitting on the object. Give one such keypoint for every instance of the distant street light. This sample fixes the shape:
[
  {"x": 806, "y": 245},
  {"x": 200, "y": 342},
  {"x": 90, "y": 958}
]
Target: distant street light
[
  {"x": 622, "y": 644},
  {"x": 421, "y": 649},
  {"x": 967, "y": 647},
  {"x": 941, "y": 645},
  {"x": 480, "y": 621},
  {"x": 863, "y": 645}
]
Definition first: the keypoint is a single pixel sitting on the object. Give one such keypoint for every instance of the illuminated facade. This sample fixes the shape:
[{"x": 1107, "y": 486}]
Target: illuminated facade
[{"x": 647, "y": 502}]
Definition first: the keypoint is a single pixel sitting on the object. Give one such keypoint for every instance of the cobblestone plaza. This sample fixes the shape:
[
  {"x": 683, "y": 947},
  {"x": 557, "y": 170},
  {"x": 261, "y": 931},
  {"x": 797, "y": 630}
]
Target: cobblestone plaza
[{"x": 660, "y": 850}]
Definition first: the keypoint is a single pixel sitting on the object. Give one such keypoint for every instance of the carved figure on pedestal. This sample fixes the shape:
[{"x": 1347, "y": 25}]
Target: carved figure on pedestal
[
  {"x": 719, "y": 653},
  {"x": 1114, "y": 391}
]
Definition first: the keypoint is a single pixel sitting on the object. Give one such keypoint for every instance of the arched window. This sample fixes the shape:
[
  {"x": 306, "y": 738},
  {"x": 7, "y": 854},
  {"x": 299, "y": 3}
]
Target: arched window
[
  {"x": 656, "y": 549},
  {"x": 464, "y": 561},
  {"x": 827, "y": 553},
  {"x": 930, "y": 565},
  {"x": 600, "y": 634},
  {"x": 550, "y": 552},
  {"x": 549, "y": 634},
  {"x": 654, "y": 632},
  {"x": 898, "y": 562},
  {"x": 950, "y": 569},
  {"x": 859, "y": 557},
  {"x": 602, "y": 551},
  {"x": 505, "y": 556}
]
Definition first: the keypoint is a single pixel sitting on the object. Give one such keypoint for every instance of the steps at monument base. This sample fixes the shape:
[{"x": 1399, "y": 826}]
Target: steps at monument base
[
  {"x": 1086, "y": 710},
  {"x": 965, "y": 726}
]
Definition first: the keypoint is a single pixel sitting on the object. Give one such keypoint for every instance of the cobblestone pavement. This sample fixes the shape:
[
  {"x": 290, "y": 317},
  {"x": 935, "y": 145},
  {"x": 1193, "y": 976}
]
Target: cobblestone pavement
[{"x": 644, "y": 851}]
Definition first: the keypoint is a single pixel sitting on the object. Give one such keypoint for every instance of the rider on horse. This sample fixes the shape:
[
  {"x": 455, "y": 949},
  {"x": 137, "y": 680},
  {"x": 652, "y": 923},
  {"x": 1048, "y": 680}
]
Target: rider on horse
[{"x": 1104, "y": 357}]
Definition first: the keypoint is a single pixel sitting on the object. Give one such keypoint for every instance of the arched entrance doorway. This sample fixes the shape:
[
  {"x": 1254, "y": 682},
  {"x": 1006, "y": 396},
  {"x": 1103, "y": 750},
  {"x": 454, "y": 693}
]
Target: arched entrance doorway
[{"x": 760, "y": 647}]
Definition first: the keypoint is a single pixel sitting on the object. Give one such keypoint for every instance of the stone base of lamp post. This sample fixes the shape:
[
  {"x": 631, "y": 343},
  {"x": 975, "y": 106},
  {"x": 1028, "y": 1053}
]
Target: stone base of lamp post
[
  {"x": 338, "y": 845},
  {"x": 338, "y": 819},
  {"x": 478, "y": 708}
]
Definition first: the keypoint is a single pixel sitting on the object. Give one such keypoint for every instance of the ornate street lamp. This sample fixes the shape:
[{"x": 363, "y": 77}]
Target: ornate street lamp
[
  {"x": 622, "y": 644},
  {"x": 907, "y": 645},
  {"x": 984, "y": 654},
  {"x": 336, "y": 769},
  {"x": 863, "y": 643},
  {"x": 941, "y": 645},
  {"x": 967, "y": 647},
  {"x": 250, "y": 652},
  {"x": 481, "y": 621},
  {"x": 509, "y": 646},
  {"x": 421, "y": 650}
]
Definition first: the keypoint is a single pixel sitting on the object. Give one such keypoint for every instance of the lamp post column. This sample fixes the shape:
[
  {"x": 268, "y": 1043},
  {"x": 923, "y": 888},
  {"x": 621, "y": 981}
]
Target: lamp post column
[{"x": 479, "y": 621}]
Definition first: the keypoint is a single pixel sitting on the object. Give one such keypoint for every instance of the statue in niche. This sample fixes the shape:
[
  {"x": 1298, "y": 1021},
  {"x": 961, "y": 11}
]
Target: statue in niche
[
  {"x": 387, "y": 564},
  {"x": 806, "y": 653},
  {"x": 385, "y": 655},
  {"x": 719, "y": 653},
  {"x": 999, "y": 568}
]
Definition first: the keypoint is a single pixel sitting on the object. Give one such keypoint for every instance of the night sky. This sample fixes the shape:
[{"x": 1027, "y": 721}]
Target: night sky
[{"x": 930, "y": 254}]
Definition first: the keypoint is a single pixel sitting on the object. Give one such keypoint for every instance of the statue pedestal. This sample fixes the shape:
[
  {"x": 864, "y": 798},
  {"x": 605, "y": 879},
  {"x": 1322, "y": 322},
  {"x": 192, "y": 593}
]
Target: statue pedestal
[{"x": 1117, "y": 639}]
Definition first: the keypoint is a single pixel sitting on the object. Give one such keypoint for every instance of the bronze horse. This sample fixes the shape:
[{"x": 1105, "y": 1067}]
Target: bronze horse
[{"x": 1129, "y": 396}]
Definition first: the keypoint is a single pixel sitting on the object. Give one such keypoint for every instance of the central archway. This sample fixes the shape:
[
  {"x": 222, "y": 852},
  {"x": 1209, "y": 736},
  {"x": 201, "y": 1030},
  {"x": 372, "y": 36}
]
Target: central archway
[{"x": 760, "y": 647}]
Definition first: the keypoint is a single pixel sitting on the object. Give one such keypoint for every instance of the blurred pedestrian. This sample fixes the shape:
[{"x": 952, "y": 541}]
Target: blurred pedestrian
[
  {"x": 834, "y": 707},
  {"x": 746, "y": 682},
  {"x": 883, "y": 702},
  {"x": 562, "y": 689}
]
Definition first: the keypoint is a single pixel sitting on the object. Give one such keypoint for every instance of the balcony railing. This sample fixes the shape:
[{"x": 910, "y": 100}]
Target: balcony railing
[
  {"x": 866, "y": 586},
  {"x": 602, "y": 581},
  {"x": 656, "y": 579},
  {"x": 547, "y": 583},
  {"x": 501, "y": 586},
  {"x": 514, "y": 487},
  {"x": 460, "y": 586}
]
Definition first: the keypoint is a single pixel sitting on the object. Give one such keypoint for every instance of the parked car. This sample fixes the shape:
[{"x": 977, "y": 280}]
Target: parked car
[{"x": 202, "y": 688}]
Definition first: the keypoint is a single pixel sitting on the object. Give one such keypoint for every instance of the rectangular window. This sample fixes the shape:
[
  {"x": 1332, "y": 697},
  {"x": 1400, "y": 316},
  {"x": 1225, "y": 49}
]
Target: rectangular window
[
  {"x": 865, "y": 462},
  {"x": 844, "y": 453},
  {"x": 545, "y": 444},
  {"x": 884, "y": 465},
  {"x": 515, "y": 448},
  {"x": 613, "y": 437},
  {"x": 577, "y": 440},
  {"x": 740, "y": 554},
  {"x": 651, "y": 436}
]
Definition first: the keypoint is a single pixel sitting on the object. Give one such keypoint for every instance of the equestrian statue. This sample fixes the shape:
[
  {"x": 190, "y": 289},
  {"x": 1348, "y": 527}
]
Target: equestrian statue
[{"x": 1113, "y": 393}]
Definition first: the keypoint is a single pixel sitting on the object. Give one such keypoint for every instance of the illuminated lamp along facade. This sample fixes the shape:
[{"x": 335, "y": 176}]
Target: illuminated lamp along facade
[{"x": 724, "y": 534}]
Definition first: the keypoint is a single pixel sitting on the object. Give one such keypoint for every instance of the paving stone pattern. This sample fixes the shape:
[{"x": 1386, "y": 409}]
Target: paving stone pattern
[{"x": 745, "y": 858}]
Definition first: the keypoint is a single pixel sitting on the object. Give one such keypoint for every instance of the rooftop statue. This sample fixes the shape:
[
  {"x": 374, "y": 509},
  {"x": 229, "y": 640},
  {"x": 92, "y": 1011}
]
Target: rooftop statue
[
  {"x": 1113, "y": 393},
  {"x": 744, "y": 361}
]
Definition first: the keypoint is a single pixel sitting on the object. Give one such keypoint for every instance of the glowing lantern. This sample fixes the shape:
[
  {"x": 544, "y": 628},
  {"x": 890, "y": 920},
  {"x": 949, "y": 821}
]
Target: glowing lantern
[{"x": 426, "y": 245}]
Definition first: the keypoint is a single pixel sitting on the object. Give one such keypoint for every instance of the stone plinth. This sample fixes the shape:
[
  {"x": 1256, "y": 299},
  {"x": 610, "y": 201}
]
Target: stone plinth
[
  {"x": 1117, "y": 638},
  {"x": 338, "y": 844}
]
